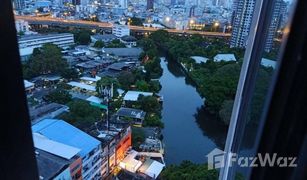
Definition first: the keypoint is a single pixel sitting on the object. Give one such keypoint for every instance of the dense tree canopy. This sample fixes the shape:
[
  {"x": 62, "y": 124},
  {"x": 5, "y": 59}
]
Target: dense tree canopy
[
  {"x": 134, "y": 21},
  {"x": 153, "y": 68},
  {"x": 226, "y": 110},
  {"x": 149, "y": 104},
  {"x": 99, "y": 44},
  {"x": 59, "y": 96},
  {"x": 70, "y": 73},
  {"x": 142, "y": 85},
  {"x": 126, "y": 79},
  {"x": 116, "y": 44},
  {"x": 45, "y": 60},
  {"x": 81, "y": 114},
  {"x": 82, "y": 37},
  {"x": 138, "y": 137},
  {"x": 188, "y": 170}
]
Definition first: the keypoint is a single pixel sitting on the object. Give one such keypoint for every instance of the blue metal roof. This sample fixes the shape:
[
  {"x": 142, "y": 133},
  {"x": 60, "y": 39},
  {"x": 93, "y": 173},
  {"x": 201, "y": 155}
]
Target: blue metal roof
[{"x": 61, "y": 131}]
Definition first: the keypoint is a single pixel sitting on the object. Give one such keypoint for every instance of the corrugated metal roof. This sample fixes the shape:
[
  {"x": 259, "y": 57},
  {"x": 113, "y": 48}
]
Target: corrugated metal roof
[
  {"x": 53, "y": 147},
  {"x": 81, "y": 85},
  {"x": 61, "y": 131},
  {"x": 133, "y": 95}
]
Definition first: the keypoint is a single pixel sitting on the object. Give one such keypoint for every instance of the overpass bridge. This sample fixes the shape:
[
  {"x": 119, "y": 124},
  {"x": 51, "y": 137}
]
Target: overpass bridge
[{"x": 34, "y": 20}]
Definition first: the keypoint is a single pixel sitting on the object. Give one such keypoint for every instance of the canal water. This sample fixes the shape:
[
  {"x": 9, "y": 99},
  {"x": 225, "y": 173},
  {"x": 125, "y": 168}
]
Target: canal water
[{"x": 189, "y": 132}]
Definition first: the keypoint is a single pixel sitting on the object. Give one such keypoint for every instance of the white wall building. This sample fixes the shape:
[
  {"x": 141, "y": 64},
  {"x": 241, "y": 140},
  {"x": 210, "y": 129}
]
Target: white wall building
[
  {"x": 22, "y": 26},
  {"x": 28, "y": 43},
  {"x": 120, "y": 30}
]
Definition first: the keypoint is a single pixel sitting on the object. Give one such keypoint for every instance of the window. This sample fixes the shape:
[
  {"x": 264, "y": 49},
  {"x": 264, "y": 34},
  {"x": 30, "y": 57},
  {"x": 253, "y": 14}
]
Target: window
[{"x": 203, "y": 99}]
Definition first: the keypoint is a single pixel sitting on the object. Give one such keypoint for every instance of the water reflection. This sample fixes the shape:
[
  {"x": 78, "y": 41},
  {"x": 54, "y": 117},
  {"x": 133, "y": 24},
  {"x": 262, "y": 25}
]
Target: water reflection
[
  {"x": 211, "y": 127},
  {"x": 189, "y": 133}
]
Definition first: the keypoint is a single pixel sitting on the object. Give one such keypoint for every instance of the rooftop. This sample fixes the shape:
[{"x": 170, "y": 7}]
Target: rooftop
[
  {"x": 126, "y": 52},
  {"x": 134, "y": 95},
  {"x": 94, "y": 99},
  {"x": 90, "y": 78},
  {"x": 128, "y": 38},
  {"x": 28, "y": 84},
  {"x": 62, "y": 132},
  {"x": 45, "y": 109},
  {"x": 130, "y": 163},
  {"x": 268, "y": 62},
  {"x": 53, "y": 147},
  {"x": 199, "y": 59},
  {"x": 104, "y": 37},
  {"x": 133, "y": 113},
  {"x": 151, "y": 168},
  {"x": 224, "y": 57},
  {"x": 42, "y": 36},
  {"x": 118, "y": 66},
  {"x": 50, "y": 165},
  {"x": 82, "y": 86}
]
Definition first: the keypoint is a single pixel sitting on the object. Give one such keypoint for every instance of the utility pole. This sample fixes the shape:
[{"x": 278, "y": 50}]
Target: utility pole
[{"x": 107, "y": 93}]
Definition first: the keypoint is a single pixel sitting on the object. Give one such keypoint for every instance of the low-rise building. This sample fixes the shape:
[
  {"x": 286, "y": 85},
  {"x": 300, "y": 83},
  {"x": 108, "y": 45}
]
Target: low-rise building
[
  {"x": 28, "y": 43},
  {"x": 116, "y": 141},
  {"x": 106, "y": 38},
  {"x": 22, "y": 26},
  {"x": 56, "y": 160},
  {"x": 129, "y": 41},
  {"x": 120, "y": 30},
  {"x": 44, "y": 111},
  {"x": 90, "y": 148},
  {"x": 135, "y": 116}
]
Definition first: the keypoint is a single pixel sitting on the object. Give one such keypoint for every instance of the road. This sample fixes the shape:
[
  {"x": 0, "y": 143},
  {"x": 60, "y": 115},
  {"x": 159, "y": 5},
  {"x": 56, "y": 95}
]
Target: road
[{"x": 110, "y": 25}]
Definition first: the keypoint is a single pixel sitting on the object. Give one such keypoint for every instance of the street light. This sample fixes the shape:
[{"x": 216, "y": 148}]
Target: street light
[
  {"x": 216, "y": 25},
  {"x": 167, "y": 19}
]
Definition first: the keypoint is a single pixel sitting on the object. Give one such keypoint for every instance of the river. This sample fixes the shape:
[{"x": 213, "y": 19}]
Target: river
[{"x": 189, "y": 132}]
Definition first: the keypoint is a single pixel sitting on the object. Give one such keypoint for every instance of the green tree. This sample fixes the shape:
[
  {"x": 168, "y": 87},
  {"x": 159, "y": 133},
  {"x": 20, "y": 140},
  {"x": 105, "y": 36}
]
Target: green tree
[
  {"x": 99, "y": 44},
  {"x": 116, "y": 44},
  {"x": 59, "y": 96},
  {"x": 261, "y": 89},
  {"x": 134, "y": 21},
  {"x": 226, "y": 110},
  {"x": 70, "y": 73},
  {"x": 160, "y": 37},
  {"x": 126, "y": 79},
  {"x": 188, "y": 170},
  {"x": 82, "y": 114},
  {"x": 47, "y": 60},
  {"x": 138, "y": 137},
  {"x": 147, "y": 44},
  {"x": 63, "y": 86},
  {"x": 153, "y": 120},
  {"x": 153, "y": 68},
  {"x": 149, "y": 104},
  {"x": 142, "y": 85},
  {"x": 154, "y": 86},
  {"x": 218, "y": 85},
  {"x": 82, "y": 37}
]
